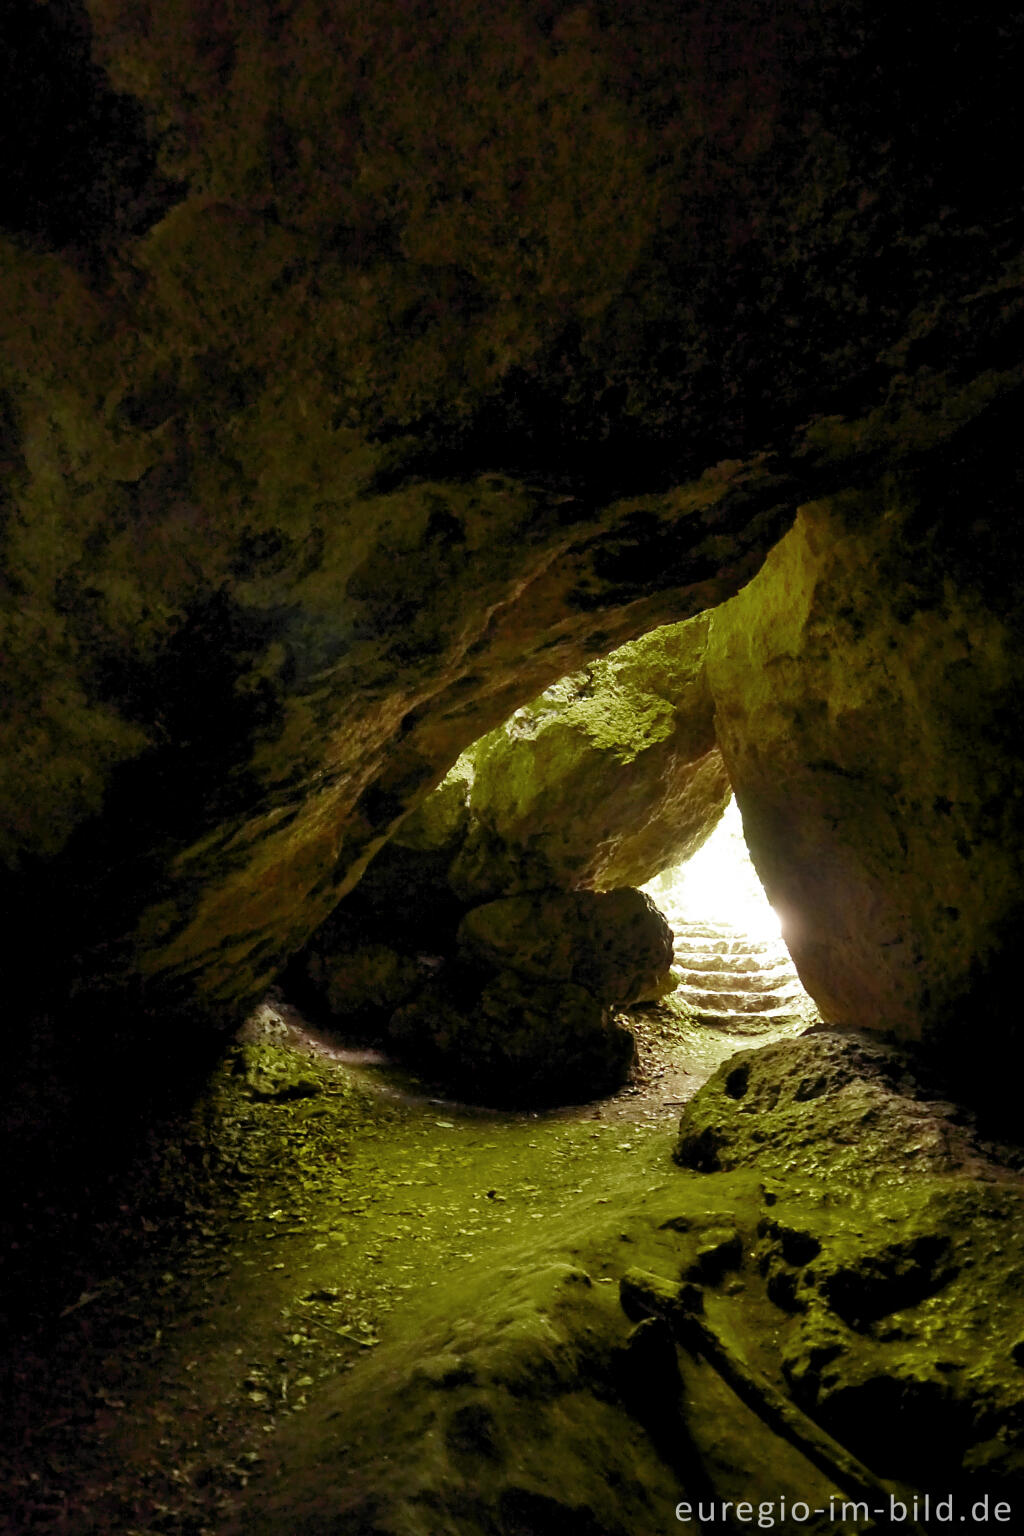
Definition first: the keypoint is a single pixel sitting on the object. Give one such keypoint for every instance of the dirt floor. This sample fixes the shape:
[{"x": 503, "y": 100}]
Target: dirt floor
[{"x": 258, "y": 1249}]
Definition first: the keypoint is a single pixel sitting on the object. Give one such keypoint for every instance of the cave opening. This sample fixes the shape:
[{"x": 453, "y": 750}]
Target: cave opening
[
  {"x": 573, "y": 909},
  {"x": 719, "y": 883},
  {"x": 732, "y": 968}
]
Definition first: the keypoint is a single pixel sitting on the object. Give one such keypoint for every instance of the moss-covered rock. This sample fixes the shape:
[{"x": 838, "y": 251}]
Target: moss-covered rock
[
  {"x": 498, "y": 1420},
  {"x": 611, "y": 770},
  {"x": 379, "y": 418},
  {"x": 602, "y": 781},
  {"x": 615, "y": 943},
  {"x": 438, "y": 825},
  {"x": 271, "y": 1072},
  {"x": 832, "y": 1103},
  {"x": 892, "y": 1245}
]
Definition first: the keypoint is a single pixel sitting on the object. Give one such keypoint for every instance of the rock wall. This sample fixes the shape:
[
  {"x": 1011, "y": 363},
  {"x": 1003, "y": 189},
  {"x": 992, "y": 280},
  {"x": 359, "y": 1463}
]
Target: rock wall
[
  {"x": 387, "y": 363},
  {"x": 868, "y": 687}
]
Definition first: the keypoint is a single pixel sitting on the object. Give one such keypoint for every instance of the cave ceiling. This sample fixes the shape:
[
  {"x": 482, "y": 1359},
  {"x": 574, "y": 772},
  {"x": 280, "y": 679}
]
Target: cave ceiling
[{"x": 366, "y": 368}]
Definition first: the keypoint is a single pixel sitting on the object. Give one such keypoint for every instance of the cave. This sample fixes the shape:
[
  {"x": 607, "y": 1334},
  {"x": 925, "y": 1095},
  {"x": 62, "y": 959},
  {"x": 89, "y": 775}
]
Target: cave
[{"x": 459, "y": 466}]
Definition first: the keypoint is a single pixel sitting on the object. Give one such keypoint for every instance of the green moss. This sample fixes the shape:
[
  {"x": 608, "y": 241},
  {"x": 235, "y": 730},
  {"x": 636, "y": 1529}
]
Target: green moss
[{"x": 604, "y": 779}]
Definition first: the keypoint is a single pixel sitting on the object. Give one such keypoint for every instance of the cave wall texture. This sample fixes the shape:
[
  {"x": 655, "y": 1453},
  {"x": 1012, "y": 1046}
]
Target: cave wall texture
[
  {"x": 605, "y": 780},
  {"x": 869, "y": 691},
  {"x": 364, "y": 369}
]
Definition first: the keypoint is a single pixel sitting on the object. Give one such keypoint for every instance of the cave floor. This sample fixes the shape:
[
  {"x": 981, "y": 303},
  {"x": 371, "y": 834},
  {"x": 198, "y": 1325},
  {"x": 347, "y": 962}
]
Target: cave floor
[{"x": 260, "y": 1248}]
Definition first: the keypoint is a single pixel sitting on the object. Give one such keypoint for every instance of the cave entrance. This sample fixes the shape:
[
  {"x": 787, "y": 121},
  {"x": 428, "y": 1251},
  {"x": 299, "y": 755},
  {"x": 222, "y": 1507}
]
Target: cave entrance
[{"x": 731, "y": 964}]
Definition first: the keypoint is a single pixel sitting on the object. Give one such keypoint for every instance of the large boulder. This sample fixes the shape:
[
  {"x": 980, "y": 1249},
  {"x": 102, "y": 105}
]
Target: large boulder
[
  {"x": 507, "y": 1039},
  {"x": 524, "y": 1013},
  {"x": 615, "y": 943},
  {"x": 604, "y": 780},
  {"x": 359, "y": 982},
  {"x": 868, "y": 687}
]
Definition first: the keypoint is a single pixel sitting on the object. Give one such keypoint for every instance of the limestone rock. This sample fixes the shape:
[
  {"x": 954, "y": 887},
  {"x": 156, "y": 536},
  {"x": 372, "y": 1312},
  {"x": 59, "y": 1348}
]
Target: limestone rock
[
  {"x": 271, "y": 1072},
  {"x": 604, "y": 780},
  {"x": 868, "y": 708},
  {"x": 831, "y": 1100},
  {"x": 512, "y": 1040},
  {"x": 438, "y": 825},
  {"x": 362, "y": 983},
  {"x": 899, "y": 1337},
  {"x": 891, "y": 1242},
  {"x": 614, "y": 943},
  {"x": 403, "y": 899},
  {"x": 336, "y": 426}
]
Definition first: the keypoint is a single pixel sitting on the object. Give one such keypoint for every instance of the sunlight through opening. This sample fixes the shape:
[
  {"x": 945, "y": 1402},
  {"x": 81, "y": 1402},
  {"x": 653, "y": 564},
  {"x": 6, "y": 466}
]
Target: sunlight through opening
[{"x": 719, "y": 884}]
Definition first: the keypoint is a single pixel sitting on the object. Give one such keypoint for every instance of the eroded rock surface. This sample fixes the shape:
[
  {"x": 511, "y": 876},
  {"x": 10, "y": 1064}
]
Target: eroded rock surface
[
  {"x": 891, "y": 1243},
  {"x": 605, "y": 780},
  {"x": 612, "y": 769},
  {"x": 505, "y": 1038},
  {"x": 615, "y": 943},
  {"x": 867, "y": 687},
  {"x": 524, "y": 1012},
  {"x": 336, "y": 425},
  {"x": 878, "y": 1300}
]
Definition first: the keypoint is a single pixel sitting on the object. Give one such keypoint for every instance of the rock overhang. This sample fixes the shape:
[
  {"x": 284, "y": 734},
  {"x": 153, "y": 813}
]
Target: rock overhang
[{"x": 331, "y": 454}]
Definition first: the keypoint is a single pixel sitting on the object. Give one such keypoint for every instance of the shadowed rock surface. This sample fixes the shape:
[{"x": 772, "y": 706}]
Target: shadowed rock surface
[
  {"x": 505, "y": 1038},
  {"x": 867, "y": 687},
  {"x": 891, "y": 1244},
  {"x": 398, "y": 415},
  {"x": 366, "y": 370},
  {"x": 523, "y": 1013},
  {"x": 888, "y": 1305},
  {"x": 610, "y": 775},
  {"x": 615, "y": 943}
]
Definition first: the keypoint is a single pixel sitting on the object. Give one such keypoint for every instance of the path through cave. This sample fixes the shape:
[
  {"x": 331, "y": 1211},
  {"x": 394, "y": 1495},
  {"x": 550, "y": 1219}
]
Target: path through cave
[
  {"x": 274, "y": 1236},
  {"x": 323, "y": 1266},
  {"x": 265, "y": 1244}
]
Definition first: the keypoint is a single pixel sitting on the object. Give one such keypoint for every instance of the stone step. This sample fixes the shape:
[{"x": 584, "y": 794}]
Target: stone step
[
  {"x": 731, "y": 946},
  {"x": 739, "y": 1002},
  {"x": 748, "y": 1024},
  {"x": 751, "y": 947},
  {"x": 700, "y": 960},
  {"x": 707, "y": 930},
  {"x": 735, "y": 979}
]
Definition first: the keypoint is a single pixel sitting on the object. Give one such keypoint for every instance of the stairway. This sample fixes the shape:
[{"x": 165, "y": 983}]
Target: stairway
[{"x": 735, "y": 982}]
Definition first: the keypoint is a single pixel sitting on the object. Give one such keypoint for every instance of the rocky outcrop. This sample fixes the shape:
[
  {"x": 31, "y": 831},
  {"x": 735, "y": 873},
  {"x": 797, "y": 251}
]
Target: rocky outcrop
[
  {"x": 608, "y": 778},
  {"x": 803, "y": 1323},
  {"x": 382, "y": 943},
  {"x": 890, "y": 1243},
  {"x": 867, "y": 687},
  {"x": 507, "y": 1039},
  {"x": 361, "y": 981},
  {"x": 611, "y": 770},
  {"x": 335, "y": 426}
]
